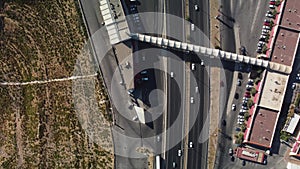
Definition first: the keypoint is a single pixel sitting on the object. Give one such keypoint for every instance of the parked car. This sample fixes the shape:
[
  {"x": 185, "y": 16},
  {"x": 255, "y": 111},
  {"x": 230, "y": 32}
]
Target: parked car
[
  {"x": 193, "y": 66},
  {"x": 245, "y": 107},
  {"x": 262, "y": 37},
  {"x": 267, "y": 27},
  {"x": 239, "y": 83},
  {"x": 269, "y": 15},
  {"x": 272, "y": 6},
  {"x": 245, "y": 98},
  {"x": 293, "y": 86},
  {"x": 260, "y": 44},
  {"x": 272, "y": 3},
  {"x": 233, "y": 107},
  {"x": 243, "y": 50},
  {"x": 265, "y": 31},
  {"x": 240, "y": 76},
  {"x": 240, "y": 123},
  {"x": 135, "y": 118},
  {"x": 241, "y": 120},
  {"x": 230, "y": 151},
  {"x": 249, "y": 86}
]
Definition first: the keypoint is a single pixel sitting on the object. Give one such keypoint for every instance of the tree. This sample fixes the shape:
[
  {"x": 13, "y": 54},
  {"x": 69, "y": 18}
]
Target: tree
[
  {"x": 246, "y": 116},
  {"x": 239, "y": 138},
  {"x": 265, "y": 48},
  {"x": 243, "y": 127},
  {"x": 257, "y": 80},
  {"x": 285, "y": 136},
  {"x": 250, "y": 103},
  {"x": 253, "y": 91}
]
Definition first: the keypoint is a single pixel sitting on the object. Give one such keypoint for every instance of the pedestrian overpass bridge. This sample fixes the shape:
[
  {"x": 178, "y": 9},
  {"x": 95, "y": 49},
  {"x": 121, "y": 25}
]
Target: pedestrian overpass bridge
[
  {"x": 119, "y": 31},
  {"x": 158, "y": 41}
]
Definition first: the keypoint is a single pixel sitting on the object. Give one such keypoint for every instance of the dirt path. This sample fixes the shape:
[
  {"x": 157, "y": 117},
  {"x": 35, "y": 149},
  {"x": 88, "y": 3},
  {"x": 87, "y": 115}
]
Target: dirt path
[{"x": 46, "y": 81}]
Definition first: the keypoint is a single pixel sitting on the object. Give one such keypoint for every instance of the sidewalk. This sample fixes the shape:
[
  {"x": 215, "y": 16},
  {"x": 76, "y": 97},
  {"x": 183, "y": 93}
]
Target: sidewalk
[{"x": 214, "y": 88}]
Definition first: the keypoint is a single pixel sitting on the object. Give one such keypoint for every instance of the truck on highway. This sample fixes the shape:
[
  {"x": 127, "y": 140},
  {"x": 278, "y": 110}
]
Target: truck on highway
[{"x": 157, "y": 162}]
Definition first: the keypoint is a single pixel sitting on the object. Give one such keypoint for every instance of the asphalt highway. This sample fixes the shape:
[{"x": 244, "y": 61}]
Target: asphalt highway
[
  {"x": 197, "y": 153},
  {"x": 200, "y": 18},
  {"x": 175, "y": 114}
]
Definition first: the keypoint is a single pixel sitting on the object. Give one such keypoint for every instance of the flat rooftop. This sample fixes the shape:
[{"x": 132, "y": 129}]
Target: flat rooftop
[
  {"x": 273, "y": 91},
  {"x": 285, "y": 46},
  {"x": 264, "y": 124},
  {"x": 291, "y": 15}
]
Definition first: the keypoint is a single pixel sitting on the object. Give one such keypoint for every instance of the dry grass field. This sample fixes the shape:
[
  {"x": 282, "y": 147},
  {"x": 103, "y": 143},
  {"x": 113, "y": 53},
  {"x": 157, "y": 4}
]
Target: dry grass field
[{"x": 39, "y": 127}]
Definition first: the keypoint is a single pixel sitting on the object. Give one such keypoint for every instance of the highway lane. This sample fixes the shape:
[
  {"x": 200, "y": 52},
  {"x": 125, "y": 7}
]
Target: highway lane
[
  {"x": 176, "y": 85},
  {"x": 175, "y": 19},
  {"x": 197, "y": 155},
  {"x": 200, "y": 18},
  {"x": 175, "y": 111}
]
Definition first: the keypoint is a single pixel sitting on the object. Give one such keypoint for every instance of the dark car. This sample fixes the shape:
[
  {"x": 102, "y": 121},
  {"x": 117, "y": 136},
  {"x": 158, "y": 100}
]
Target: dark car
[
  {"x": 240, "y": 76},
  {"x": 236, "y": 95},
  {"x": 244, "y": 163},
  {"x": 224, "y": 122},
  {"x": 243, "y": 50}
]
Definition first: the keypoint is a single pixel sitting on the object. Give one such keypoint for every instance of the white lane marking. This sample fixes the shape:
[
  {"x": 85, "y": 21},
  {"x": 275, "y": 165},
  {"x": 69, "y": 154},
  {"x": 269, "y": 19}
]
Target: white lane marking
[{"x": 255, "y": 15}]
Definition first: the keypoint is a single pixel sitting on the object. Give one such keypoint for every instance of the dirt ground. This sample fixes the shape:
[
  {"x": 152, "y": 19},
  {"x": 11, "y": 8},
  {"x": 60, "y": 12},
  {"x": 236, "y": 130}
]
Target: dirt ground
[{"x": 40, "y": 124}]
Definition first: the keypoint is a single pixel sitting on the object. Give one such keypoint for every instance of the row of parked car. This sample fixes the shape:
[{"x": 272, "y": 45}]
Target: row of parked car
[
  {"x": 268, "y": 23},
  {"x": 245, "y": 100}
]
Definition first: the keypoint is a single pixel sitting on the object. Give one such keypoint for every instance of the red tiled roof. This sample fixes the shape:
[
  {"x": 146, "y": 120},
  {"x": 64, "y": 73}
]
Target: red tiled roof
[
  {"x": 285, "y": 46},
  {"x": 291, "y": 15},
  {"x": 263, "y": 127}
]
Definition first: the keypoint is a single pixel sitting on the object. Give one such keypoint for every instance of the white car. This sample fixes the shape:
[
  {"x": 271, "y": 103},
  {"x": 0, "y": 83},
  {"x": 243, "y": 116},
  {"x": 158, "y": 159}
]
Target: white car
[
  {"x": 191, "y": 144},
  {"x": 196, "y": 89},
  {"x": 193, "y": 66},
  {"x": 245, "y": 98},
  {"x": 196, "y": 8},
  {"x": 172, "y": 74},
  {"x": 135, "y": 118},
  {"x": 179, "y": 153},
  {"x": 266, "y": 27},
  {"x": 249, "y": 86},
  {"x": 272, "y": 6},
  {"x": 269, "y": 15},
  {"x": 233, "y": 107},
  {"x": 241, "y": 120},
  {"x": 192, "y": 27},
  {"x": 145, "y": 78},
  {"x": 202, "y": 63},
  {"x": 260, "y": 44},
  {"x": 243, "y": 111},
  {"x": 293, "y": 86},
  {"x": 265, "y": 31},
  {"x": 192, "y": 100}
]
